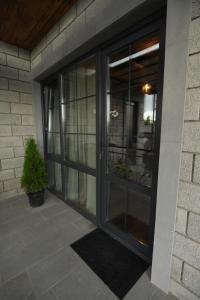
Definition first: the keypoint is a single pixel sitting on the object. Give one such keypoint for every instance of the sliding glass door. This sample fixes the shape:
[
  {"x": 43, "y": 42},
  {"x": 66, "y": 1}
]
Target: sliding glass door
[
  {"x": 102, "y": 118},
  {"x": 131, "y": 144}
]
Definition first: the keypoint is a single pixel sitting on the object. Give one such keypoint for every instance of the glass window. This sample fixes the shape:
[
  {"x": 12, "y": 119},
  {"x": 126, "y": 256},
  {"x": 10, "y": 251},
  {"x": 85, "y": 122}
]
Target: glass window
[
  {"x": 79, "y": 113},
  {"x": 54, "y": 176},
  {"x": 81, "y": 189},
  {"x": 131, "y": 110}
]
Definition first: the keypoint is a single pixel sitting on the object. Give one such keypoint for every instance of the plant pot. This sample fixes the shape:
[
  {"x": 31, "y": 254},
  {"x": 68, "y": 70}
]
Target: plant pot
[{"x": 36, "y": 199}]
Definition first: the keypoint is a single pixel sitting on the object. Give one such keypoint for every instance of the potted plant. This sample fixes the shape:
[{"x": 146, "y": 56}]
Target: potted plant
[{"x": 34, "y": 177}]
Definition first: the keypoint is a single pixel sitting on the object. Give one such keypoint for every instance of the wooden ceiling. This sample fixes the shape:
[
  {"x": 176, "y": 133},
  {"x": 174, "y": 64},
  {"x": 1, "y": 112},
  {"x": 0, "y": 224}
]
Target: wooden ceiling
[{"x": 25, "y": 22}]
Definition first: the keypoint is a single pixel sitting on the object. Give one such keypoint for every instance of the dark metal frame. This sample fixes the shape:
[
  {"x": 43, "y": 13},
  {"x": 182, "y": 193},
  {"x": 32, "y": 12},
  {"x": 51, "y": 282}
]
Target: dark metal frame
[{"x": 102, "y": 53}]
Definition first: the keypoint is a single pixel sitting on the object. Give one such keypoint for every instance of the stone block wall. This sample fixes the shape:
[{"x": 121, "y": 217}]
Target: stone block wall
[
  {"x": 185, "y": 274},
  {"x": 16, "y": 121}
]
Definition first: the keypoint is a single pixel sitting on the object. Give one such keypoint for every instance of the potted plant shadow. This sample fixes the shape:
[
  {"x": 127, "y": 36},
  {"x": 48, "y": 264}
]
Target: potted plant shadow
[{"x": 34, "y": 177}]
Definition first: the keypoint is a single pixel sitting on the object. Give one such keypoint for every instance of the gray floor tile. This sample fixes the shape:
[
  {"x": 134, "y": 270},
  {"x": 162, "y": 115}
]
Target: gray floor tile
[
  {"x": 83, "y": 225},
  {"x": 18, "y": 259},
  {"x": 50, "y": 295},
  {"x": 19, "y": 288},
  {"x": 53, "y": 269},
  {"x": 142, "y": 290},
  {"x": 54, "y": 210},
  {"x": 80, "y": 284}
]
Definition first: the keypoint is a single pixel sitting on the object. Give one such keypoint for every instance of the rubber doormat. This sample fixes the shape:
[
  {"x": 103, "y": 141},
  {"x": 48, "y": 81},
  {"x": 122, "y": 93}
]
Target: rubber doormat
[{"x": 116, "y": 265}]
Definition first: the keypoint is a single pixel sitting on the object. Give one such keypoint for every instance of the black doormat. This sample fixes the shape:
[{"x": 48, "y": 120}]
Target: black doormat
[{"x": 116, "y": 265}]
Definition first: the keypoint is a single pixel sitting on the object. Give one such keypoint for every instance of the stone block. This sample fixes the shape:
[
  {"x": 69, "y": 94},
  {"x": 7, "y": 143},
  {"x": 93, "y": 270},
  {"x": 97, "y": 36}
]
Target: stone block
[
  {"x": 18, "y": 63},
  {"x": 195, "y": 8},
  {"x": 38, "y": 49},
  {"x": 11, "y": 184},
  {"x": 191, "y": 279},
  {"x": 12, "y": 163},
  {"x": 25, "y": 76},
  {"x": 3, "y": 83},
  {"x": 9, "y": 194},
  {"x": 181, "y": 220},
  {"x": 19, "y": 151},
  {"x": 23, "y": 130},
  {"x": 5, "y": 130},
  {"x": 6, "y": 153},
  {"x": 11, "y": 141},
  {"x": 51, "y": 35},
  {"x": 26, "y": 98},
  {"x": 23, "y": 109},
  {"x": 181, "y": 292},
  {"x": 192, "y": 105},
  {"x": 9, "y": 96},
  {"x": 193, "y": 229},
  {"x": 4, "y": 107},
  {"x": 176, "y": 269},
  {"x": 8, "y": 72},
  {"x": 2, "y": 59},
  {"x": 196, "y": 174},
  {"x": 193, "y": 74},
  {"x": 191, "y": 137},
  {"x": 68, "y": 18},
  {"x": 10, "y": 119},
  {"x": 20, "y": 86},
  {"x": 187, "y": 250},
  {"x": 186, "y": 166},
  {"x": 82, "y": 5},
  {"x": 24, "y": 54},
  {"x": 27, "y": 120},
  {"x": 8, "y": 48},
  {"x": 1, "y": 187},
  {"x": 194, "y": 36},
  {"x": 6, "y": 174},
  {"x": 189, "y": 196},
  {"x": 18, "y": 172}
]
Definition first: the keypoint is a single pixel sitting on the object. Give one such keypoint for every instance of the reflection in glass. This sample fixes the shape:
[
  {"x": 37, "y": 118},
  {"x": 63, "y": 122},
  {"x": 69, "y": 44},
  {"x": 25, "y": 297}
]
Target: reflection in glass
[
  {"x": 129, "y": 211},
  {"x": 53, "y": 145},
  {"x": 81, "y": 189},
  {"x": 131, "y": 115}
]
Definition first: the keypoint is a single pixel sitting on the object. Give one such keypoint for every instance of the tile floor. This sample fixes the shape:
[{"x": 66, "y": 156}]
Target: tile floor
[{"x": 37, "y": 262}]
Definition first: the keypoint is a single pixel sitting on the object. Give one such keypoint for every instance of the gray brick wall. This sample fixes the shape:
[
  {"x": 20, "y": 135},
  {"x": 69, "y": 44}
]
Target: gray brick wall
[
  {"x": 16, "y": 121},
  {"x": 185, "y": 272}
]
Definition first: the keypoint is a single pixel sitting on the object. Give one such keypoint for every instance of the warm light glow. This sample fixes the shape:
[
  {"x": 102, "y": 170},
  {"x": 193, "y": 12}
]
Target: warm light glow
[{"x": 146, "y": 88}]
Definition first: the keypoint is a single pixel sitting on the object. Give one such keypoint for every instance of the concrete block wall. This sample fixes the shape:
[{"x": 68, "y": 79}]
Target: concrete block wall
[
  {"x": 16, "y": 121},
  {"x": 185, "y": 273}
]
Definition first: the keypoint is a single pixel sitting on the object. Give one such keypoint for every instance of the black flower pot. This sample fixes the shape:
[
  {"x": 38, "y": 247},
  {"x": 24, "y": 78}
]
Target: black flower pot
[{"x": 36, "y": 199}]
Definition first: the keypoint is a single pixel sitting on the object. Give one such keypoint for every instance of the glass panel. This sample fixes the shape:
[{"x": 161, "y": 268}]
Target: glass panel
[
  {"x": 54, "y": 120},
  {"x": 81, "y": 189},
  {"x": 54, "y": 176},
  {"x": 131, "y": 112},
  {"x": 129, "y": 211},
  {"x": 79, "y": 115},
  {"x": 69, "y": 80},
  {"x": 53, "y": 146}
]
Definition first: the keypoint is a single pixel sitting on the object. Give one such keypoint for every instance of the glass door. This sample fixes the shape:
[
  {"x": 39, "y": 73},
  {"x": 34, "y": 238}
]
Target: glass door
[{"x": 131, "y": 148}]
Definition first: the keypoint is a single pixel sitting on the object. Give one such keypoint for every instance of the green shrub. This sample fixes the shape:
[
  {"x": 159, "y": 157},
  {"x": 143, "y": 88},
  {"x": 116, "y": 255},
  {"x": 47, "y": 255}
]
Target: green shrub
[{"x": 34, "y": 178}]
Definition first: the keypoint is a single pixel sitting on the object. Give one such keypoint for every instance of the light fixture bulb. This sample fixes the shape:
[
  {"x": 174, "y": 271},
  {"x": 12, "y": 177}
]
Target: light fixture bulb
[{"x": 146, "y": 88}]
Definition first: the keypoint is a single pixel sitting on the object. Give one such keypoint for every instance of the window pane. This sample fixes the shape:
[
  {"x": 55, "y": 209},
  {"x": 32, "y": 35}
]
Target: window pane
[
  {"x": 129, "y": 211},
  {"x": 54, "y": 120},
  {"x": 54, "y": 176},
  {"x": 79, "y": 115},
  {"x": 69, "y": 78},
  {"x": 131, "y": 111},
  {"x": 81, "y": 189},
  {"x": 53, "y": 146}
]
